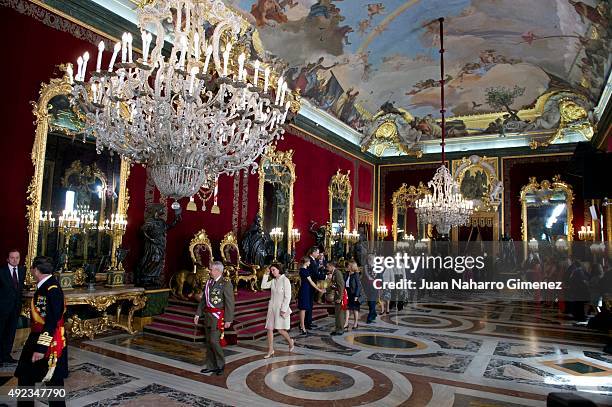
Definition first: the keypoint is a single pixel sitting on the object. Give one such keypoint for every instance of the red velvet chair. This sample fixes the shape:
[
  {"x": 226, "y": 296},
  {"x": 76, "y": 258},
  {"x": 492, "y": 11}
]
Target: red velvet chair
[{"x": 237, "y": 270}]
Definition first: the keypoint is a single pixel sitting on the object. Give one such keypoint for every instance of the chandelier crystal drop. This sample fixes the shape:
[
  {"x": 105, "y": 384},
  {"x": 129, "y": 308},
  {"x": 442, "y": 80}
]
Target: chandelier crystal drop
[
  {"x": 198, "y": 113},
  {"x": 445, "y": 207}
]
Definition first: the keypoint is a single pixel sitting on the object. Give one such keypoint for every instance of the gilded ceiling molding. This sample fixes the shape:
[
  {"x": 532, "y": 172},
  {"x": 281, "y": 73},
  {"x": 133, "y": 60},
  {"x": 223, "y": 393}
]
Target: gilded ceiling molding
[{"x": 56, "y": 21}]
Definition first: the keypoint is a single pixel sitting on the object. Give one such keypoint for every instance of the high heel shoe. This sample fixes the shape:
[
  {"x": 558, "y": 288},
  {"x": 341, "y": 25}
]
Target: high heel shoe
[
  {"x": 356, "y": 326},
  {"x": 269, "y": 355},
  {"x": 292, "y": 347},
  {"x": 345, "y": 327}
]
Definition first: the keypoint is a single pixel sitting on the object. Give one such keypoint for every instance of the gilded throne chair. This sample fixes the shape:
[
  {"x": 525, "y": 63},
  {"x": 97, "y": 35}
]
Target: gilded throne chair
[
  {"x": 238, "y": 271},
  {"x": 189, "y": 284}
]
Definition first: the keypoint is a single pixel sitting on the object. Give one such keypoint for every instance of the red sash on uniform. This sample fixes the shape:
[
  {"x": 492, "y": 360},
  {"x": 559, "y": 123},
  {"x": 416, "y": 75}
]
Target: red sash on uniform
[
  {"x": 344, "y": 301},
  {"x": 58, "y": 341},
  {"x": 218, "y": 313}
]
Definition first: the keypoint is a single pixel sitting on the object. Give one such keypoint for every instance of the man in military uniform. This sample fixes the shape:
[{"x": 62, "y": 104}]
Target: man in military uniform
[
  {"x": 337, "y": 285},
  {"x": 44, "y": 356},
  {"x": 217, "y": 307}
]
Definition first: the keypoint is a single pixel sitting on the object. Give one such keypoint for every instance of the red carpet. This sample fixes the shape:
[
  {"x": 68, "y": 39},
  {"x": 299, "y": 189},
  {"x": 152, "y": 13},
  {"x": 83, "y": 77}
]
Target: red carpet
[{"x": 249, "y": 319}]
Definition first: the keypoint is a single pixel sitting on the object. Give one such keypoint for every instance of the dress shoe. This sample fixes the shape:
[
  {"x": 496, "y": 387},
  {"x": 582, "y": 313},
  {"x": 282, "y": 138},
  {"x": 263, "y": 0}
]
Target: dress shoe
[
  {"x": 208, "y": 371},
  {"x": 312, "y": 326},
  {"x": 218, "y": 372},
  {"x": 336, "y": 333}
]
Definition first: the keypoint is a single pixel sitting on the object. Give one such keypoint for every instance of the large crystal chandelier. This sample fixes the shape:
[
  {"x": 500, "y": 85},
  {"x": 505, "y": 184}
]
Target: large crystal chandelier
[
  {"x": 200, "y": 112},
  {"x": 446, "y": 206}
]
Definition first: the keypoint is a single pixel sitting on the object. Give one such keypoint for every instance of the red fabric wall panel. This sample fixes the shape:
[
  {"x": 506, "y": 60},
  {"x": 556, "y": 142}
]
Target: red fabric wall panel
[
  {"x": 28, "y": 62},
  {"x": 391, "y": 179},
  {"x": 215, "y": 225},
  {"x": 364, "y": 189}
]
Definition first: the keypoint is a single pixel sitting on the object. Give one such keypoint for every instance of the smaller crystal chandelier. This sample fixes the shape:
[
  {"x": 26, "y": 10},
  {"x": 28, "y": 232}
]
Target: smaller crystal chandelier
[{"x": 446, "y": 206}]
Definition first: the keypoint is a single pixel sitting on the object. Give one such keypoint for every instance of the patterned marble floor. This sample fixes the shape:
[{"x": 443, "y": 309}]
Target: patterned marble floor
[{"x": 479, "y": 353}]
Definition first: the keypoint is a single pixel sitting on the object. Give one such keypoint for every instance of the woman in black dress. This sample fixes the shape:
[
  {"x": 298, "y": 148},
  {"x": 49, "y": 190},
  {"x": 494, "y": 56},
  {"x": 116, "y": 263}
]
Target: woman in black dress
[
  {"x": 305, "y": 293},
  {"x": 353, "y": 289}
]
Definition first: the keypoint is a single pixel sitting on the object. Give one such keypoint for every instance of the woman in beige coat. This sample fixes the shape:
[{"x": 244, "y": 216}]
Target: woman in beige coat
[{"x": 279, "y": 313}]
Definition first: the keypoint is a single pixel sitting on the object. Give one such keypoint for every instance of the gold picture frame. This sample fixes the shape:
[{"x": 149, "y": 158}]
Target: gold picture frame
[{"x": 56, "y": 87}]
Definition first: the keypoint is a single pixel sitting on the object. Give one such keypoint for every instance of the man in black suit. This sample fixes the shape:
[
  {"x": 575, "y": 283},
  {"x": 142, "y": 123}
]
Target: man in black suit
[
  {"x": 12, "y": 277},
  {"x": 317, "y": 273}
]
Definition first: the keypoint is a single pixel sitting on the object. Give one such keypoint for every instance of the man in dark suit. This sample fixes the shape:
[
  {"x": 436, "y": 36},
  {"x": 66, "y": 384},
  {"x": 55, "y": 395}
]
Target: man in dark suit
[
  {"x": 316, "y": 274},
  {"x": 12, "y": 277}
]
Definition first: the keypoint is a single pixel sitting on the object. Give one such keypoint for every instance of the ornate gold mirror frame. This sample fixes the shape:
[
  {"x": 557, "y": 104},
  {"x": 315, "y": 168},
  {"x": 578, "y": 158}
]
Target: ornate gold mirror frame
[
  {"x": 341, "y": 189},
  {"x": 277, "y": 159},
  {"x": 486, "y": 205},
  {"x": 56, "y": 87},
  {"x": 404, "y": 198},
  {"x": 546, "y": 187}
]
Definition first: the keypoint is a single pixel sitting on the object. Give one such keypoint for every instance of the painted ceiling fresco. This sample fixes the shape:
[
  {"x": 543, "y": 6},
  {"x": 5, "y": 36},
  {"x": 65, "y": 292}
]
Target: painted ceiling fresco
[{"x": 351, "y": 57}]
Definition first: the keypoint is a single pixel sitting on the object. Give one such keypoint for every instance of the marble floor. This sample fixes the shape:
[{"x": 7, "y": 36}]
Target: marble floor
[{"x": 432, "y": 353}]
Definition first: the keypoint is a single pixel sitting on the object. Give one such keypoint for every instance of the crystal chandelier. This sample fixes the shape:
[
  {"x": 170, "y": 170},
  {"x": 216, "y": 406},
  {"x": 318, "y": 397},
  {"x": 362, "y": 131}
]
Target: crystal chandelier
[
  {"x": 446, "y": 206},
  {"x": 201, "y": 112}
]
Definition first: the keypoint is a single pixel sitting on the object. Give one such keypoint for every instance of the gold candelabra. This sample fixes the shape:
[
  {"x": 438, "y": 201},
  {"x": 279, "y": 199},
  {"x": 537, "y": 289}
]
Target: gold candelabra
[
  {"x": 295, "y": 237},
  {"x": 47, "y": 223},
  {"x": 586, "y": 233},
  {"x": 69, "y": 224},
  {"x": 349, "y": 238},
  {"x": 277, "y": 235},
  {"x": 382, "y": 232},
  {"x": 115, "y": 228}
]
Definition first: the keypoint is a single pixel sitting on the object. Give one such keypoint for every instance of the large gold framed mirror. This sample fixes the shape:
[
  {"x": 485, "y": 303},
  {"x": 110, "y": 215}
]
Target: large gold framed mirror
[
  {"x": 340, "y": 191},
  {"x": 403, "y": 201},
  {"x": 276, "y": 180},
  {"x": 546, "y": 210},
  {"x": 73, "y": 182}
]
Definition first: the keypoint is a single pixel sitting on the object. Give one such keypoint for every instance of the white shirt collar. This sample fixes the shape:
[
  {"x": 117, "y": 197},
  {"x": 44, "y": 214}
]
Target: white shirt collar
[
  {"x": 41, "y": 282},
  {"x": 12, "y": 267}
]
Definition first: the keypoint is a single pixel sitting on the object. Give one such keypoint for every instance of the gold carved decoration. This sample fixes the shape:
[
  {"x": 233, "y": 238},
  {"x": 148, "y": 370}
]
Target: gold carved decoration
[
  {"x": 194, "y": 280},
  {"x": 340, "y": 188},
  {"x": 574, "y": 118},
  {"x": 546, "y": 189},
  {"x": 492, "y": 197},
  {"x": 237, "y": 270},
  {"x": 101, "y": 301},
  {"x": 55, "y": 87},
  {"x": 391, "y": 129},
  {"x": 405, "y": 197},
  {"x": 280, "y": 163}
]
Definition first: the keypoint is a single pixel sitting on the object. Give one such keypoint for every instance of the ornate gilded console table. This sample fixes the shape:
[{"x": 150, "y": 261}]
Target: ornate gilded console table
[{"x": 100, "y": 299}]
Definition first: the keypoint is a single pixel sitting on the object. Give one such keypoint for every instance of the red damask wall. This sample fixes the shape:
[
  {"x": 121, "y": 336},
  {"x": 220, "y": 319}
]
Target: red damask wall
[
  {"x": 315, "y": 163},
  {"x": 47, "y": 40},
  {"x": 29, "y": 60}
]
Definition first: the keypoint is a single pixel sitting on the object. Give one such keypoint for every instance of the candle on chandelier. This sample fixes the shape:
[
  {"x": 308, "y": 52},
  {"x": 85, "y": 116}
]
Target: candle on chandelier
[
  {"x": 187, "y": 16},
  {"x": 209, "y": 50},
  {"x": 181, "y": 63},
  {"x": 256, "y": 74},
  {"x": 114, "y": 57},
  {"x": 79, "y": 68},
  {"x": 129, "y": 46},
  {"x": 266, "y": 78},
  {"x": 226, "y": 54},
  {"x": 279, "y": 86},
  {"x": 85, "y": 59},
  {"x": 100, "y": 51},
  {"x": 70, "y": 73},
  {"x": 124, "y": 48},
  {"x": 194, "y": 72},
  {"x": 284, "y": 90},
  {"x": 286, "y": 111},
  {"x": 240, "y": 65},
  {"x": 196, "y": 45},
  {"x": 94, "y": 91}
]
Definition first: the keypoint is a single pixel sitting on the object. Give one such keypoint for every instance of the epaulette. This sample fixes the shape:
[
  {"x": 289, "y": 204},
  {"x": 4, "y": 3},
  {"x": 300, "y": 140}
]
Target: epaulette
[
  {"x": 226, "y": 279},
  {"x": 44, "y": 339}
]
